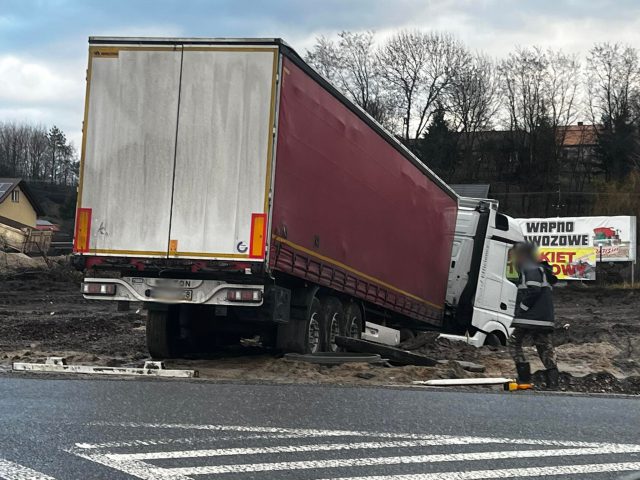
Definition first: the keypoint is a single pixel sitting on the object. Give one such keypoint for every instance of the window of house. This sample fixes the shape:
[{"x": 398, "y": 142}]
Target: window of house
[{"x": 15, "y": 196}]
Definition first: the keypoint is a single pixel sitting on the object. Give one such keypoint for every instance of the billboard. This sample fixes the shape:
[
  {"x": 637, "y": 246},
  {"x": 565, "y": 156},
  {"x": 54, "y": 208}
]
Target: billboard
[{"x": 612, "y": 239}]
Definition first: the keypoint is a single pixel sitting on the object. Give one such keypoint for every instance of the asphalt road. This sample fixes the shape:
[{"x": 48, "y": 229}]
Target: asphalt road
[{"x": 122, "y": 429}]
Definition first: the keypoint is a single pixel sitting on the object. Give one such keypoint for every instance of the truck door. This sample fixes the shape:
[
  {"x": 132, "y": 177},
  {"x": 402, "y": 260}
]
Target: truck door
[
  {"x": 128, "y": 151},
  {"x": 223, "y": 152},
  {"x": 495, "y": 292}
]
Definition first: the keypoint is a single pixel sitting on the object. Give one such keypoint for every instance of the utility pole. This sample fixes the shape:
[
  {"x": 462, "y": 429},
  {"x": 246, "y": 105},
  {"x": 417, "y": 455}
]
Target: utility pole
[{"x": 558, "y": 206}]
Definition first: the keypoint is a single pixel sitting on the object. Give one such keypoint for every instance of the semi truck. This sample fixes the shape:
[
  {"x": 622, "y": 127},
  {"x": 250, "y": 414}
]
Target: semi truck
[{"x": 235, "y": 192}]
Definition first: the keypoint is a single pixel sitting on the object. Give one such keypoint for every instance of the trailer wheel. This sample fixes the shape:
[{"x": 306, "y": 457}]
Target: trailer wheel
[
  {"x": 313, "y": 328},
  {"x": 333, "y": 319},
  {"x": 303, "y": 332},
  {"x": 163, "y": 330},
  {"x": 352, "y": 321}
]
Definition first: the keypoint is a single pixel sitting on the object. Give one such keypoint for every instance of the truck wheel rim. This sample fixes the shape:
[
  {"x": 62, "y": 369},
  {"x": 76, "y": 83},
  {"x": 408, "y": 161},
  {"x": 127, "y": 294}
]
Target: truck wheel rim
[
  {"x": 313, "y": 335},
  {"x": 334, "y": 331},
  {"x": 353, "y": 328}
]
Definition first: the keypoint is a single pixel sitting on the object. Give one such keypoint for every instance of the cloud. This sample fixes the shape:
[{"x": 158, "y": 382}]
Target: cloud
[
  {"x": 43, "y": 44},
  {"x": 32, "y": 91},
  {"x": 26, "y": 83},
  {"x": 496, "y": 27}
]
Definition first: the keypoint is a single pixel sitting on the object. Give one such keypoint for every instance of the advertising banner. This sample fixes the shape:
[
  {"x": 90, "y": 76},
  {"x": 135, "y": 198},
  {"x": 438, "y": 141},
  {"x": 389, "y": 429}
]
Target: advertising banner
[
  {"x": 567, "y": 263},
  {"x": 571, "y": 263},
  {"x": 613, "y": 239}
]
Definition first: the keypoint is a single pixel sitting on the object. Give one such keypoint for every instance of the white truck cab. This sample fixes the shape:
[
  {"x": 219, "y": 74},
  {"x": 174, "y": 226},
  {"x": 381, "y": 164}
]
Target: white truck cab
[{"x": 481, "y": 298}]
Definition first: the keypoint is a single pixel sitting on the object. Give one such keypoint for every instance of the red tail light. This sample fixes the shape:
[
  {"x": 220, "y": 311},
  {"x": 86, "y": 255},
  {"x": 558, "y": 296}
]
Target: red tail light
[
  {"x": 244, "y": 295},
  {"x": 99, "y": 288}
]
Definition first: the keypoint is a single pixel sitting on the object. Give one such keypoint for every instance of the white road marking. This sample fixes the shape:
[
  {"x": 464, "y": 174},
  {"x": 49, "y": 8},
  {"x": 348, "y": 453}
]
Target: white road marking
[
  {"x": 366, "y": 462},
  {"x": 15, "y": 471},
  {"x": 316, "y": 447},
  {"x": 509, "y": 472},
  {"x": 138, "y": 443},
  {"x": 134, "y": 468},
  {"x": 136, "y": 463},
  {"x": 172, "y": 441},
  {"x": 311, "y": 433}
]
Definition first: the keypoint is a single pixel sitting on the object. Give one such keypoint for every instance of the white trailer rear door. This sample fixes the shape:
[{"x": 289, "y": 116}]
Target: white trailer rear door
[
  {"x": 223, "y": 151},
  {"x": 129, "y": 149},
  {"x": 177, "y": 151}
]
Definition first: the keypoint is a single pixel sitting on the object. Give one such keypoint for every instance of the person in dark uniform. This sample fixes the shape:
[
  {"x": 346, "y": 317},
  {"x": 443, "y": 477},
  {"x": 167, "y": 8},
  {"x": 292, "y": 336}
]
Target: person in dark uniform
[{"x": 534, "y": 315}]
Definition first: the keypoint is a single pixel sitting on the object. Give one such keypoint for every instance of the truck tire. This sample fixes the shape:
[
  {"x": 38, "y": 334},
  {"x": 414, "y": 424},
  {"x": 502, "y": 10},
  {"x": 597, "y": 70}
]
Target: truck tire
[
  {"x": 303, "y": 332},
  {"x": 332, "y": 321},
  {"x": 406, "y": 334},
  {"x": 163, "y": 330},
  {"x": 492, "y": 340},
  {"x": 352, "y": 324}
]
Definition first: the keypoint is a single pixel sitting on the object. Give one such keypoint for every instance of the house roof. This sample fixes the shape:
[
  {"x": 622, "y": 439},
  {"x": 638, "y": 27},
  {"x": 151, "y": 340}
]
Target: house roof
[
  {"x": 578, "y": 135},
  {"x": 42, "y": 224},
  {"x": 8, "y": 185},
  {"x": 472, "y": 190},
  {"x": 13, "y": 223},
  {"x": 569, "y": 135}
]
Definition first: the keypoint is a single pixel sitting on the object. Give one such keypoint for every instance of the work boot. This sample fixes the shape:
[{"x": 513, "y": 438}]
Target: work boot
[
  {"x": 553, "y": 378},
  {"x": 524, "y": 372}
]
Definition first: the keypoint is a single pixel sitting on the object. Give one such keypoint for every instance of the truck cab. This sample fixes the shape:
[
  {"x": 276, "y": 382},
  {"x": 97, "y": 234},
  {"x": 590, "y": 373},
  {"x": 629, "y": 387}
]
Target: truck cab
[{"x": 481, "y": 298}]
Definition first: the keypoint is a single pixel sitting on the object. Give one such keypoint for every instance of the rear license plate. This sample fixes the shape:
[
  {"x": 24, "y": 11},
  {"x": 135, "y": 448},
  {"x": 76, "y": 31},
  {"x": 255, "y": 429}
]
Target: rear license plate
[{"x": 173, "y": 294}]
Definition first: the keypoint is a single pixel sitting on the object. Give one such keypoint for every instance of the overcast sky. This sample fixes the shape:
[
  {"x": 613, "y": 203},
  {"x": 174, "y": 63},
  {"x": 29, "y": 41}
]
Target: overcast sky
[{"x": 43, "y": 43}]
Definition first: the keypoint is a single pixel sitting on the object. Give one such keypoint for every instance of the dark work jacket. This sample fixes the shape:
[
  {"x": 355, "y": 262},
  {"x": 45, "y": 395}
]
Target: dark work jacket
[{"x": 534, "y": 304}]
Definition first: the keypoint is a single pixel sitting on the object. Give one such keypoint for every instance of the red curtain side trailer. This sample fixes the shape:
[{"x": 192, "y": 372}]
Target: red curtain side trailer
[
  {"x": 227, "y": 181},
  {"x": 351, "y": 211}
]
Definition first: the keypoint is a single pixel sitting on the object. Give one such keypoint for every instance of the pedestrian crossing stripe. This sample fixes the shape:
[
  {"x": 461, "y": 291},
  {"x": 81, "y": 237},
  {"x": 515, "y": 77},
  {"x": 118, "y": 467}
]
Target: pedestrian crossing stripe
[
  {"x": 357, "y": 449},
  {"x": 15, "y": 471}
]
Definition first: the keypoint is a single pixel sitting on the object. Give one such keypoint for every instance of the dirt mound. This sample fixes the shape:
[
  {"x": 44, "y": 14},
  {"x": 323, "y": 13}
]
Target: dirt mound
[
  {"x": 12, "y": 262},
  {"x": 598, "y": 382},
  {"x": 594, "y": 314},
  {"x": 429, "y": 344},
  {"x": 42, "y": 314},
  {"x": 19, "y": 265}
]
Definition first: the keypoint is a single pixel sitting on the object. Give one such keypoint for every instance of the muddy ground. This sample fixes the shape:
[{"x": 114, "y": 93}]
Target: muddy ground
[{"x": 43, "y": 314}]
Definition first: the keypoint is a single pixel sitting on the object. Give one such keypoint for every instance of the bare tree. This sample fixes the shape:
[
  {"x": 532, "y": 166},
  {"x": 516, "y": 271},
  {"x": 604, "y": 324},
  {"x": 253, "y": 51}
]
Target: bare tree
[
  {"x": 613, "y": 87},
  {"x": 13, "y": 140},
  {"x": 33, "y": 153},
  {"x": 358, "y": 72},
  {"x": 352, "y": 66},
  {"x": 472, "y": 97},
  {"x": 613, "y": 80},
  {"x": 324, "y": 57},
  {"x": 540, "y": 89},
  {"x": 471, "y": 102},
  {"x": 418, "y": 66},
  {"x": 539, "y": 86},
  {"x": 38, "y": 146}
]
